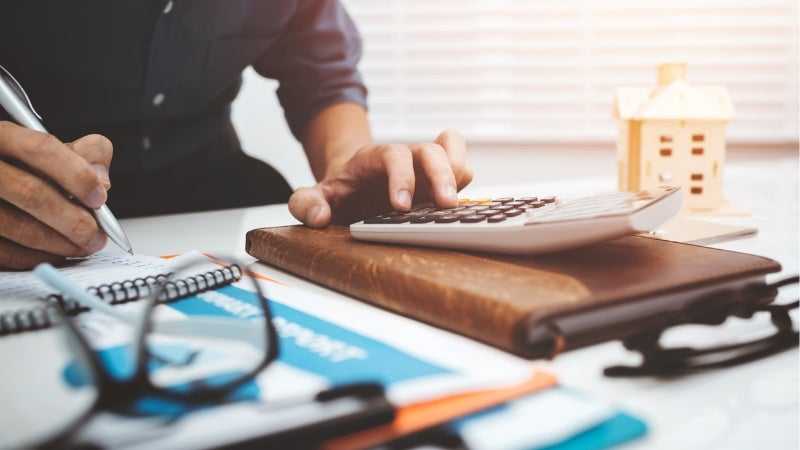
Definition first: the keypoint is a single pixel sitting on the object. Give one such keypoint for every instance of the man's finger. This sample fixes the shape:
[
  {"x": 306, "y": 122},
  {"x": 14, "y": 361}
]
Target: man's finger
[
  {"x": 45, "y": 154},
  {"x": 20, "y": 227},
  {"x": 455, "y": 146},
  {"x": 398, "y": 164},
  {"x": 309, "y": 205},
  {"x": 42, "y": 201},
  {"x": 16, "y": 257},
  {"x": 434, "y": 162}
]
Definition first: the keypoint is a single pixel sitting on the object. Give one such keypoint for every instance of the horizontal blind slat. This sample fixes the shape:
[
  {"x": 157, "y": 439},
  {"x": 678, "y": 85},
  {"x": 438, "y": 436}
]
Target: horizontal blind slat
[{"x": 491, "y": 66}]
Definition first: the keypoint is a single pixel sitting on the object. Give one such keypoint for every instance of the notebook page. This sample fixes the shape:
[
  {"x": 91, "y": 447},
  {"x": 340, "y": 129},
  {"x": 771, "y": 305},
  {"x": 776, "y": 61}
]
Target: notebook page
[{"x": 95, "y": 270}]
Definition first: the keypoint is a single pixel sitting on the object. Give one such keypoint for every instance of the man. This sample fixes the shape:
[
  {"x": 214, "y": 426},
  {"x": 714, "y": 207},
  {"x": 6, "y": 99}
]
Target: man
[{"x": 155, "y": 80}]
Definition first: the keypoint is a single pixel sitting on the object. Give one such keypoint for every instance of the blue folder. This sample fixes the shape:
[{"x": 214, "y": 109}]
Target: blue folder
[
  {"x": 617, "y": 430},
  {"x": 555, "y": 419}
]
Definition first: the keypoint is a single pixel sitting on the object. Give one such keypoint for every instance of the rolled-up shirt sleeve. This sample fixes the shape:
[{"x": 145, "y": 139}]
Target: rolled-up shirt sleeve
[{"x": 315, "y": 62}]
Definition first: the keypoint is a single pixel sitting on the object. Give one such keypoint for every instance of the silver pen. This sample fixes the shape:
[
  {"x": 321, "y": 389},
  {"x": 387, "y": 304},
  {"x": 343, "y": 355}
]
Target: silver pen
[{"x": 16, "y": 102}]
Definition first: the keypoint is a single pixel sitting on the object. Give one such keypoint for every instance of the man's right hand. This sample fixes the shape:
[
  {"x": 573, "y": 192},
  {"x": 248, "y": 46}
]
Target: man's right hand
[{"x": 38, "y": 222}]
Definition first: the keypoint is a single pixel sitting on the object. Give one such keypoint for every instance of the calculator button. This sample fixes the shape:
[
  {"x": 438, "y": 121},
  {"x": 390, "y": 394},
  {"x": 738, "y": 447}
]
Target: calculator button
[
  {"x": 488, "y": 212},
  {"x": 503, "y": 208},
  {"x": 513, "y": 212},
  {"x": 515, "y": 204},
  {"x": 421, "y": 212},
  {"x": 528, "y": 199},
  {"x": 376, "y": 220},
  {"x": 478, "y": 207},
  {"x": 474, "y": 218},
  {"x": 496, "y": 218},
  {"x": 423, "y": 219},
  {"x": 448, "y": 218},
  {"x": 464, "y": 213},
  {"x": 549, "y": 199},
  {"x": 504, "y": 199},
  {"x": 536, "y": 204},
  {"x": 387, "y": 219}
]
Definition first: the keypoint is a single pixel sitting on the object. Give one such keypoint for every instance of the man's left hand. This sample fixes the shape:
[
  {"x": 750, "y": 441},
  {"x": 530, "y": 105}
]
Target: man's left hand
[{"x": 381, "y": 177}]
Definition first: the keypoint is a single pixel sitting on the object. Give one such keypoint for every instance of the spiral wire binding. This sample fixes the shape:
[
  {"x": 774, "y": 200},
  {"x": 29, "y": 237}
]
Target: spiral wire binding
[{"x": 115, "y": 293}]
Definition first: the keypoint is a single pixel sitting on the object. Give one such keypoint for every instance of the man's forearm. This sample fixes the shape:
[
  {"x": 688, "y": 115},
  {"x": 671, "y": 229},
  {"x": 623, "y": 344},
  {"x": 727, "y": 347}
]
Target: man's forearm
[{"x": 334, "y": 135}]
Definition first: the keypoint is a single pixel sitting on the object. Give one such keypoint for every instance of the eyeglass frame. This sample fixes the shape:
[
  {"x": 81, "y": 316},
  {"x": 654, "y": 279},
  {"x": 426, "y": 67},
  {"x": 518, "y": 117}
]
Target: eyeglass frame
[
  {"x": 665, "y": 362},
  {"x": 113, "y": 392}
]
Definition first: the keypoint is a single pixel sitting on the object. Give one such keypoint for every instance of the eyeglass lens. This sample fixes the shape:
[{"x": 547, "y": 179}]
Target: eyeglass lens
[{"x": 223, "y": 339}]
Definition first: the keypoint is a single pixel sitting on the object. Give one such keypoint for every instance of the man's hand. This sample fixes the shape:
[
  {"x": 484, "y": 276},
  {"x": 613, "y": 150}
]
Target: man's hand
[
  {"x": 38, "y": 222},
  {"x": 378, "y": 178}
]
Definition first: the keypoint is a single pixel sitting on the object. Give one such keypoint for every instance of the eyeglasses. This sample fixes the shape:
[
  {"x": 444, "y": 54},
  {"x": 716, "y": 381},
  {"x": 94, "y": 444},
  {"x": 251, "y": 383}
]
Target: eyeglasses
[
  {"x": 195, "y": 360},
  {"x": 661, "y": 361}
]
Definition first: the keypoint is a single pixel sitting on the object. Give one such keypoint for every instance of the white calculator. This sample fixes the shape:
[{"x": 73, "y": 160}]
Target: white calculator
[{"x": 525, "y": 225}]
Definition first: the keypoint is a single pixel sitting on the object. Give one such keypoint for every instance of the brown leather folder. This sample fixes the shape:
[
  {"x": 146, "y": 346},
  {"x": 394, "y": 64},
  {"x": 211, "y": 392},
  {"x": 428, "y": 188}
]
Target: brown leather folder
[{"x": 535, "y": 306}]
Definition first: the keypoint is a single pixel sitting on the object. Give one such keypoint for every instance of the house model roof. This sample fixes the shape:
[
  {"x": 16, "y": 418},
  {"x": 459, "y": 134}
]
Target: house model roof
[{"x": 673, "y": 99}]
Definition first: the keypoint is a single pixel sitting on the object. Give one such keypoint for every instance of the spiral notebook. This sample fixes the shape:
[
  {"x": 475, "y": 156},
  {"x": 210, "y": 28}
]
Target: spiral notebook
[{"x": 114, "y": 278}]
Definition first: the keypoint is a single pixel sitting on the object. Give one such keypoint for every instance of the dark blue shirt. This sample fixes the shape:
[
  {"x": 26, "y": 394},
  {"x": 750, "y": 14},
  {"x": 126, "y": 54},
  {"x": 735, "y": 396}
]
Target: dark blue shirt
[{"x": 158, "y": 77}]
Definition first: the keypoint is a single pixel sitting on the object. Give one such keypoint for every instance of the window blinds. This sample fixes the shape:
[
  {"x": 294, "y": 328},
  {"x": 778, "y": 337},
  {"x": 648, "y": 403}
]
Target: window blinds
[{"x": 537, "y": 71}]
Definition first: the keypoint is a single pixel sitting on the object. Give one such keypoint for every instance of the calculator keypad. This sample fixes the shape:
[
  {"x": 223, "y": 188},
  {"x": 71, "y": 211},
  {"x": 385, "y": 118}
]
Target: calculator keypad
[
  {"x": 534, "y": 210},
  {"x": 468, "y": 211}
]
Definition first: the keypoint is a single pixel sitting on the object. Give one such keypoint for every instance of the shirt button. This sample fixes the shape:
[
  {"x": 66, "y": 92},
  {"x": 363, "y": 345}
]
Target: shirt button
[
  {"x": 168, "y": 7},
  {"x": 158, "y": 99},
  {"x": 146, "y": 144}
]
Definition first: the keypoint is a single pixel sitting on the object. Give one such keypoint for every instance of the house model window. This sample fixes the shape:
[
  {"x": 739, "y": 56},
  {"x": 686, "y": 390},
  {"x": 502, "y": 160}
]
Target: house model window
[{"x": 673, "y": 128}]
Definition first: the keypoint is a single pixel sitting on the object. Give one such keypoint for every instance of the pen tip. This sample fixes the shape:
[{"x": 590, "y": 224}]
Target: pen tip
[{"x": 130, "y": 250}]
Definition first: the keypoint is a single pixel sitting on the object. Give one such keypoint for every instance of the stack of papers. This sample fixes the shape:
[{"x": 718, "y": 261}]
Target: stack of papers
[
  {"x": 434, "y": 377},
  {"x": 327, "y": 342}
]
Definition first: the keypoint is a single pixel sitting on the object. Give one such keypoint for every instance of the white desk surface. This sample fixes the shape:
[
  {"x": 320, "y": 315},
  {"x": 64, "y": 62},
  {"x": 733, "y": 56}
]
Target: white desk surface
[{"x": 747, "y": 407}]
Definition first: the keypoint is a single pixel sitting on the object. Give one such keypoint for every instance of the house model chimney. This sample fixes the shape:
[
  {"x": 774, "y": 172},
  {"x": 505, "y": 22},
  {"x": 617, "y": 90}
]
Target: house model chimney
[{"x": 671, "y": 72}]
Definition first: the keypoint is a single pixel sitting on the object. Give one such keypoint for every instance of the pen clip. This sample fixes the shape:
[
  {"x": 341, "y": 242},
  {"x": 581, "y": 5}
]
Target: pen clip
[{"x": 18, "y": 89}]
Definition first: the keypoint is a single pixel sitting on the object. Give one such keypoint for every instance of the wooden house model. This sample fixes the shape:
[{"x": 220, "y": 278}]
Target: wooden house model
[{"x": 674, "y": 134}]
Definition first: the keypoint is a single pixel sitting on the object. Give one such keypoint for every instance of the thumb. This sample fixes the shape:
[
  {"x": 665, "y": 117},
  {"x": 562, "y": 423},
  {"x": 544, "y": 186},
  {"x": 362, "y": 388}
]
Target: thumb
[{"x": 309, "y": 205}]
